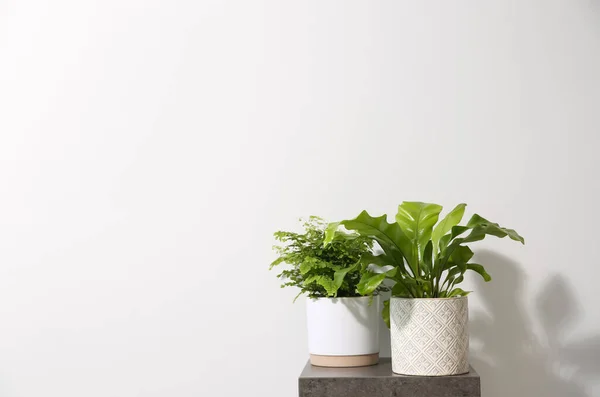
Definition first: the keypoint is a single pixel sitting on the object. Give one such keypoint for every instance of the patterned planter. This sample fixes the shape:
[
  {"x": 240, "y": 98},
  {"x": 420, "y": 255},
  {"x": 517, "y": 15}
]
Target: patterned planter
[
  {"x": 430, "y": 337},
  {"x": 343, "y": 332}
]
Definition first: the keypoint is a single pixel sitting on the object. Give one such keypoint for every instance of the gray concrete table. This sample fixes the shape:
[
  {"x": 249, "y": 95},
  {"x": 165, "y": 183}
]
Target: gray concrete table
[{"x": 379, "y": 381}]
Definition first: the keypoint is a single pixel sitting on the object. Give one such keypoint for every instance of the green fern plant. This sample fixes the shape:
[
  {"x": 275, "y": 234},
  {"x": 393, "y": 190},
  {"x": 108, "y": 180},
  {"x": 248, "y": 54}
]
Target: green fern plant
[
  {"x": 319, "y": 270},
  {"x": 430, "y": 257}
]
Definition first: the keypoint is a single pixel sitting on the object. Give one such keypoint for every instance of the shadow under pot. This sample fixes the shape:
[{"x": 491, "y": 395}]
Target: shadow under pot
[
  {"x": 343, "y": 332},
  {"x": 430, "y": 337}
]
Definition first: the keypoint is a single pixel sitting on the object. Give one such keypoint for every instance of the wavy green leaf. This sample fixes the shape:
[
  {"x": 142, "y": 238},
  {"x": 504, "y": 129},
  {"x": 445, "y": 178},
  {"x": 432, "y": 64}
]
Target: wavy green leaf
[
  {"x": 428, "y": 257},
  {"x": 480, "y": 231},
  {"x": 446, "y": 239},
  {"x": 455, "y": 264},
  {"x": 476, "y": 220},
  {"x": 493, "y": 228},
  {"x": 372, "y": 279},
  {"x": 460, "y": 256},
  {"x": 417, "y": 219},
  {"x": 458, "y": 292},
  {"x": 330, "y": 232},
  {"x": 389, "y": 235},
  {"x": 452, "y": 219},
  {"x": 513, "y": 235},
  {"x": 479, "y": 269},
  {"x": 369, "y": 282},
  {"x": 339, "y": 275},
  {"x": 480, "y": 227}
]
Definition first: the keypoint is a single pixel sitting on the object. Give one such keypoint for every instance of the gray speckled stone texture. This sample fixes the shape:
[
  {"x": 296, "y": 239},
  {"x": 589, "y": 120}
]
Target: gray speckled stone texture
[{"x": 379, "y": 381}]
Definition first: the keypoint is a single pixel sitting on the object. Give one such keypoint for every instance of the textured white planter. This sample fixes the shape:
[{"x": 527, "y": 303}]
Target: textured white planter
[
  {"x": 430, "y": 337},
  {"x": 343, "y": 332}
]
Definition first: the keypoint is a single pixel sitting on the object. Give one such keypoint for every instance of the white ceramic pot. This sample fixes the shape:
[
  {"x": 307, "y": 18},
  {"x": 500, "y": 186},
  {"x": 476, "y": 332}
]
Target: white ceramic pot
[
  {"x": 343, "y": 332},
  {"x": 430, "y": 337}
]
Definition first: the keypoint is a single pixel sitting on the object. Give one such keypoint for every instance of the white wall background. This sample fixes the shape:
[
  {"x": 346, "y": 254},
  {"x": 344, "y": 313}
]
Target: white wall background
[{"x": 148, "y": 149}]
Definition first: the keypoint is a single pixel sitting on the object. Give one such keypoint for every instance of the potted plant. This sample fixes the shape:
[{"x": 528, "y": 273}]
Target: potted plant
[
  {"x": 428, "y": 312},
  {"x": 342, "y": 308}
]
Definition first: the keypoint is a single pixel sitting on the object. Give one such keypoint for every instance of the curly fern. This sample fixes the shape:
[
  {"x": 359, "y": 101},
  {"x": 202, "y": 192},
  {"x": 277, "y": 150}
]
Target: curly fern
[{"x": 320, "y": 271}]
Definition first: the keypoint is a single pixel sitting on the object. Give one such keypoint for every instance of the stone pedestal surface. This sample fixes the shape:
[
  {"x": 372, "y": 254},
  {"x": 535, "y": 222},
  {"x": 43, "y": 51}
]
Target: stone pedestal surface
[{"x": 379, "y": 381}]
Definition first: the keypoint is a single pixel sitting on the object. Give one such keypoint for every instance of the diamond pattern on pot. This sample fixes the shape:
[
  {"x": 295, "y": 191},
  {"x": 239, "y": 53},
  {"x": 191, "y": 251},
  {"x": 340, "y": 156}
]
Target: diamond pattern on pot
[{"x": 429, "y": 336}]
